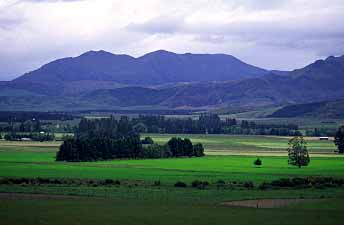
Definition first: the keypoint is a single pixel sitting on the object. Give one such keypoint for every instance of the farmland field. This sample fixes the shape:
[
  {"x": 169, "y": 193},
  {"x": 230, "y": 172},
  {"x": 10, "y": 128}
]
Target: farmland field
[{"x": 229, "y": 158}]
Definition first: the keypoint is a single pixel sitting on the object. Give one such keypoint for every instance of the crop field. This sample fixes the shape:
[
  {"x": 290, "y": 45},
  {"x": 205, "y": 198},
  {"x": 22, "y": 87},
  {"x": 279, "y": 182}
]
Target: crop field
[{"x": 229, "y": 158}]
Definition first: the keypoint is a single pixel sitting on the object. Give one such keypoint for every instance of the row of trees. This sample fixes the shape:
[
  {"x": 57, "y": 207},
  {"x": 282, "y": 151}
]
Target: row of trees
[
  {"x": 103, "y": 139},
  {"x": 32, "y": 125},
  {"x": 32, "y": 136},
  {"x": 210, "y": 124}
]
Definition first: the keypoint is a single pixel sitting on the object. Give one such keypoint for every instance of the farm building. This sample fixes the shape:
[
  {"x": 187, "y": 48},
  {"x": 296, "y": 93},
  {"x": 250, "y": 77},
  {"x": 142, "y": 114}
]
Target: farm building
[{"x": 323, "y": 138}]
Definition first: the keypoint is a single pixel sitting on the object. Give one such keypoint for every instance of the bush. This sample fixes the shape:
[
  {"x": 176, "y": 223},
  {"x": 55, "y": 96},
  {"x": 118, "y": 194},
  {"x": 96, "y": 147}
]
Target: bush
[
  {"x": 258, "y": 162},
  {"x": 199, "y": 184},
  {"x": 308, "y": 182},
  {"x": 180, "y": 184},
  {"x": 109, "y": 182},
  {"x": 157, "y": 183},
  {"x": 147, "y": 141},
  {"x": 248, "y": 184},
  {"x": 196, "y": 183}
]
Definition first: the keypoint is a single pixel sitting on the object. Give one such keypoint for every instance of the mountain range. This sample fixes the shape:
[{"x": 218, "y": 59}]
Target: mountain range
[{"x": 161, "y": 79}]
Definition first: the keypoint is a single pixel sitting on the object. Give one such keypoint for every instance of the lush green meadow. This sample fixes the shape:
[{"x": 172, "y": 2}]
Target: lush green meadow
[
  {"x": 32, "y": 159},
  {"x": 229, "y": 158}
]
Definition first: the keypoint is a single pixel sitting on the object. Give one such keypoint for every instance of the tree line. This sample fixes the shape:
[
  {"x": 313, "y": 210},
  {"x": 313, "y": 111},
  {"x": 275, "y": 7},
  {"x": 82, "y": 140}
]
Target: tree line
[
  {"x": 210, "y": 124},
  {"x": 108, "y": 138},
  {"x": 32, "y": 136}
]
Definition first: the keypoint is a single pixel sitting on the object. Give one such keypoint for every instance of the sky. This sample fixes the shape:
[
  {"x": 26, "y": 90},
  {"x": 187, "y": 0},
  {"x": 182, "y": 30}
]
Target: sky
[{"x": 272, "y": 34}]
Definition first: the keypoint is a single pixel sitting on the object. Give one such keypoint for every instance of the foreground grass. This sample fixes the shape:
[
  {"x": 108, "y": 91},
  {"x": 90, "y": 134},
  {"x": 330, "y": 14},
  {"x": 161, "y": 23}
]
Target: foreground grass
[{"x": 164, "y": 206}]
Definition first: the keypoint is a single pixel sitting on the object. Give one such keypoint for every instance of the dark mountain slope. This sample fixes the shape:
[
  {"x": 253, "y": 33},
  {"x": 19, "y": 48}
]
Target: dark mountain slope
[
  {"x": 329, "y": 110},
  {"x": 154, "y": 68},
  {"x": 320, "y": 81}
]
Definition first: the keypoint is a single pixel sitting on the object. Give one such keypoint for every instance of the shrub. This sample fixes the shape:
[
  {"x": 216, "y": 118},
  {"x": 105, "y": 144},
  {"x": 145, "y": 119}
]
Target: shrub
[
  {"x": 199, "y": 184},
  {"x": 147, "y": 141},
  {"x": 196, "y": 183},
  {"x": 157, "y": 183},
  {"x": 220, "y": 182},
  {"x": 258, "y": 162},
  {"x": 109, "y": 182},
  {"x": 248, "y": 184},
  {"x": 180, "y": 184}
]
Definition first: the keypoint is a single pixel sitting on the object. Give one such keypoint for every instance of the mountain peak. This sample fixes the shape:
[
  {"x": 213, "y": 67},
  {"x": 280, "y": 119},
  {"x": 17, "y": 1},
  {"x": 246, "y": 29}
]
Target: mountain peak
[
  {"x": 159, "y": 52},
  {"x": 95, "y": 53}
]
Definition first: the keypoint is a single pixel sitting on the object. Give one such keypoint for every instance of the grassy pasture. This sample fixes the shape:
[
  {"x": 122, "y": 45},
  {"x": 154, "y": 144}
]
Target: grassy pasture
[
  {"x": 33, "y": 159},
  {"x": 166, "y": 205}
]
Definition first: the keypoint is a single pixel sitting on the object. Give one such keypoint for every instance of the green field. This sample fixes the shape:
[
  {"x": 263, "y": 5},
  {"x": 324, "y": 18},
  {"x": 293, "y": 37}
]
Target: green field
[
  {"x": 229, "y": 158},
  {"x": 37, "y": 160},
  {"x": 231, "y": 144}
]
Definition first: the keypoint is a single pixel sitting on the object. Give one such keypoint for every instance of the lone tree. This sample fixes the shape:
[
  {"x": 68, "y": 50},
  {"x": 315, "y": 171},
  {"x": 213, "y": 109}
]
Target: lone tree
[
  {"x": 297, "y": 152},
  {"x": 339, "y": 139},
  {"x": 258, "y": 162}
]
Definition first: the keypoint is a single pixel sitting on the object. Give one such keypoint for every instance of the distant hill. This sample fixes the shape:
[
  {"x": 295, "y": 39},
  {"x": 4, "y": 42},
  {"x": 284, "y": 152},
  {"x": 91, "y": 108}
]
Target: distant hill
[
  {"x": 328, "y": 109},
  {"x": 156, "y": 68},
  {"x": 68, "y": 88}
]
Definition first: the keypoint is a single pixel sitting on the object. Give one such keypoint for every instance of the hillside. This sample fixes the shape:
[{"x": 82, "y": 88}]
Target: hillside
[
  {"x": 327, "y": 109},
  {"x": 154, "y": 68},
  {"x": 320, "y": 81}
]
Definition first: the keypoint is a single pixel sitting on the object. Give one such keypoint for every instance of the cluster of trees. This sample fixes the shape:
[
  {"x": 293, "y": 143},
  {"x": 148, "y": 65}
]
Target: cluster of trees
[
  {"x": 321, "y": 132},
  {"x": 32, "y": 136},
  {"x": 210, "y": 124},
  {"x": 32, "y": 125},
  {"x": 108, "y": 138},
  {"x": 10, "y": 116}
]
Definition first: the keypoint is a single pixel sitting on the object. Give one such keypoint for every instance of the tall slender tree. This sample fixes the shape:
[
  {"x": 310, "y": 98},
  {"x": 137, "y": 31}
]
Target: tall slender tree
[{"x": 297, "y": 152}]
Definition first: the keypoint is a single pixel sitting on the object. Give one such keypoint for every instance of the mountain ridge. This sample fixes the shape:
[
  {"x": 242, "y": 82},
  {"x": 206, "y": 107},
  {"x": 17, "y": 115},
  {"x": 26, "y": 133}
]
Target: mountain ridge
[
  {"x": 153, "y": 68},
  {"x": 319, "y": 81}
]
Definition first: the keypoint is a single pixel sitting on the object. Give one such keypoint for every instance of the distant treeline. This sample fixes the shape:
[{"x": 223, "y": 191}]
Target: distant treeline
[
  {"x": 32, "y": 136},
  {"x": 108, "y": 138},
  {"x": 21, "y": 116},
  {"x": 210, "y": 124},
  {"x": 141, "y": 112}
]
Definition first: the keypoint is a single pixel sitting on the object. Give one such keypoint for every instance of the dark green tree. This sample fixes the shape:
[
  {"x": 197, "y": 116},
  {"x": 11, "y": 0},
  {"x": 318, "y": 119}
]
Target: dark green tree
[
  {"x": 297, "y": 152},
  {"x": 147, "y": 141},
  {"x": 339, "y": 139},
  {"x": 198, "y": 150},
  {"x": 258, "y": 162}
]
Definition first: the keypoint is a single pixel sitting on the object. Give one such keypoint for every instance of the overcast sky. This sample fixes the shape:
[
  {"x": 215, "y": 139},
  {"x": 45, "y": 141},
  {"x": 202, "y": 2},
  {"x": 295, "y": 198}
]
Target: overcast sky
[{"x": 273, "y": 34}]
